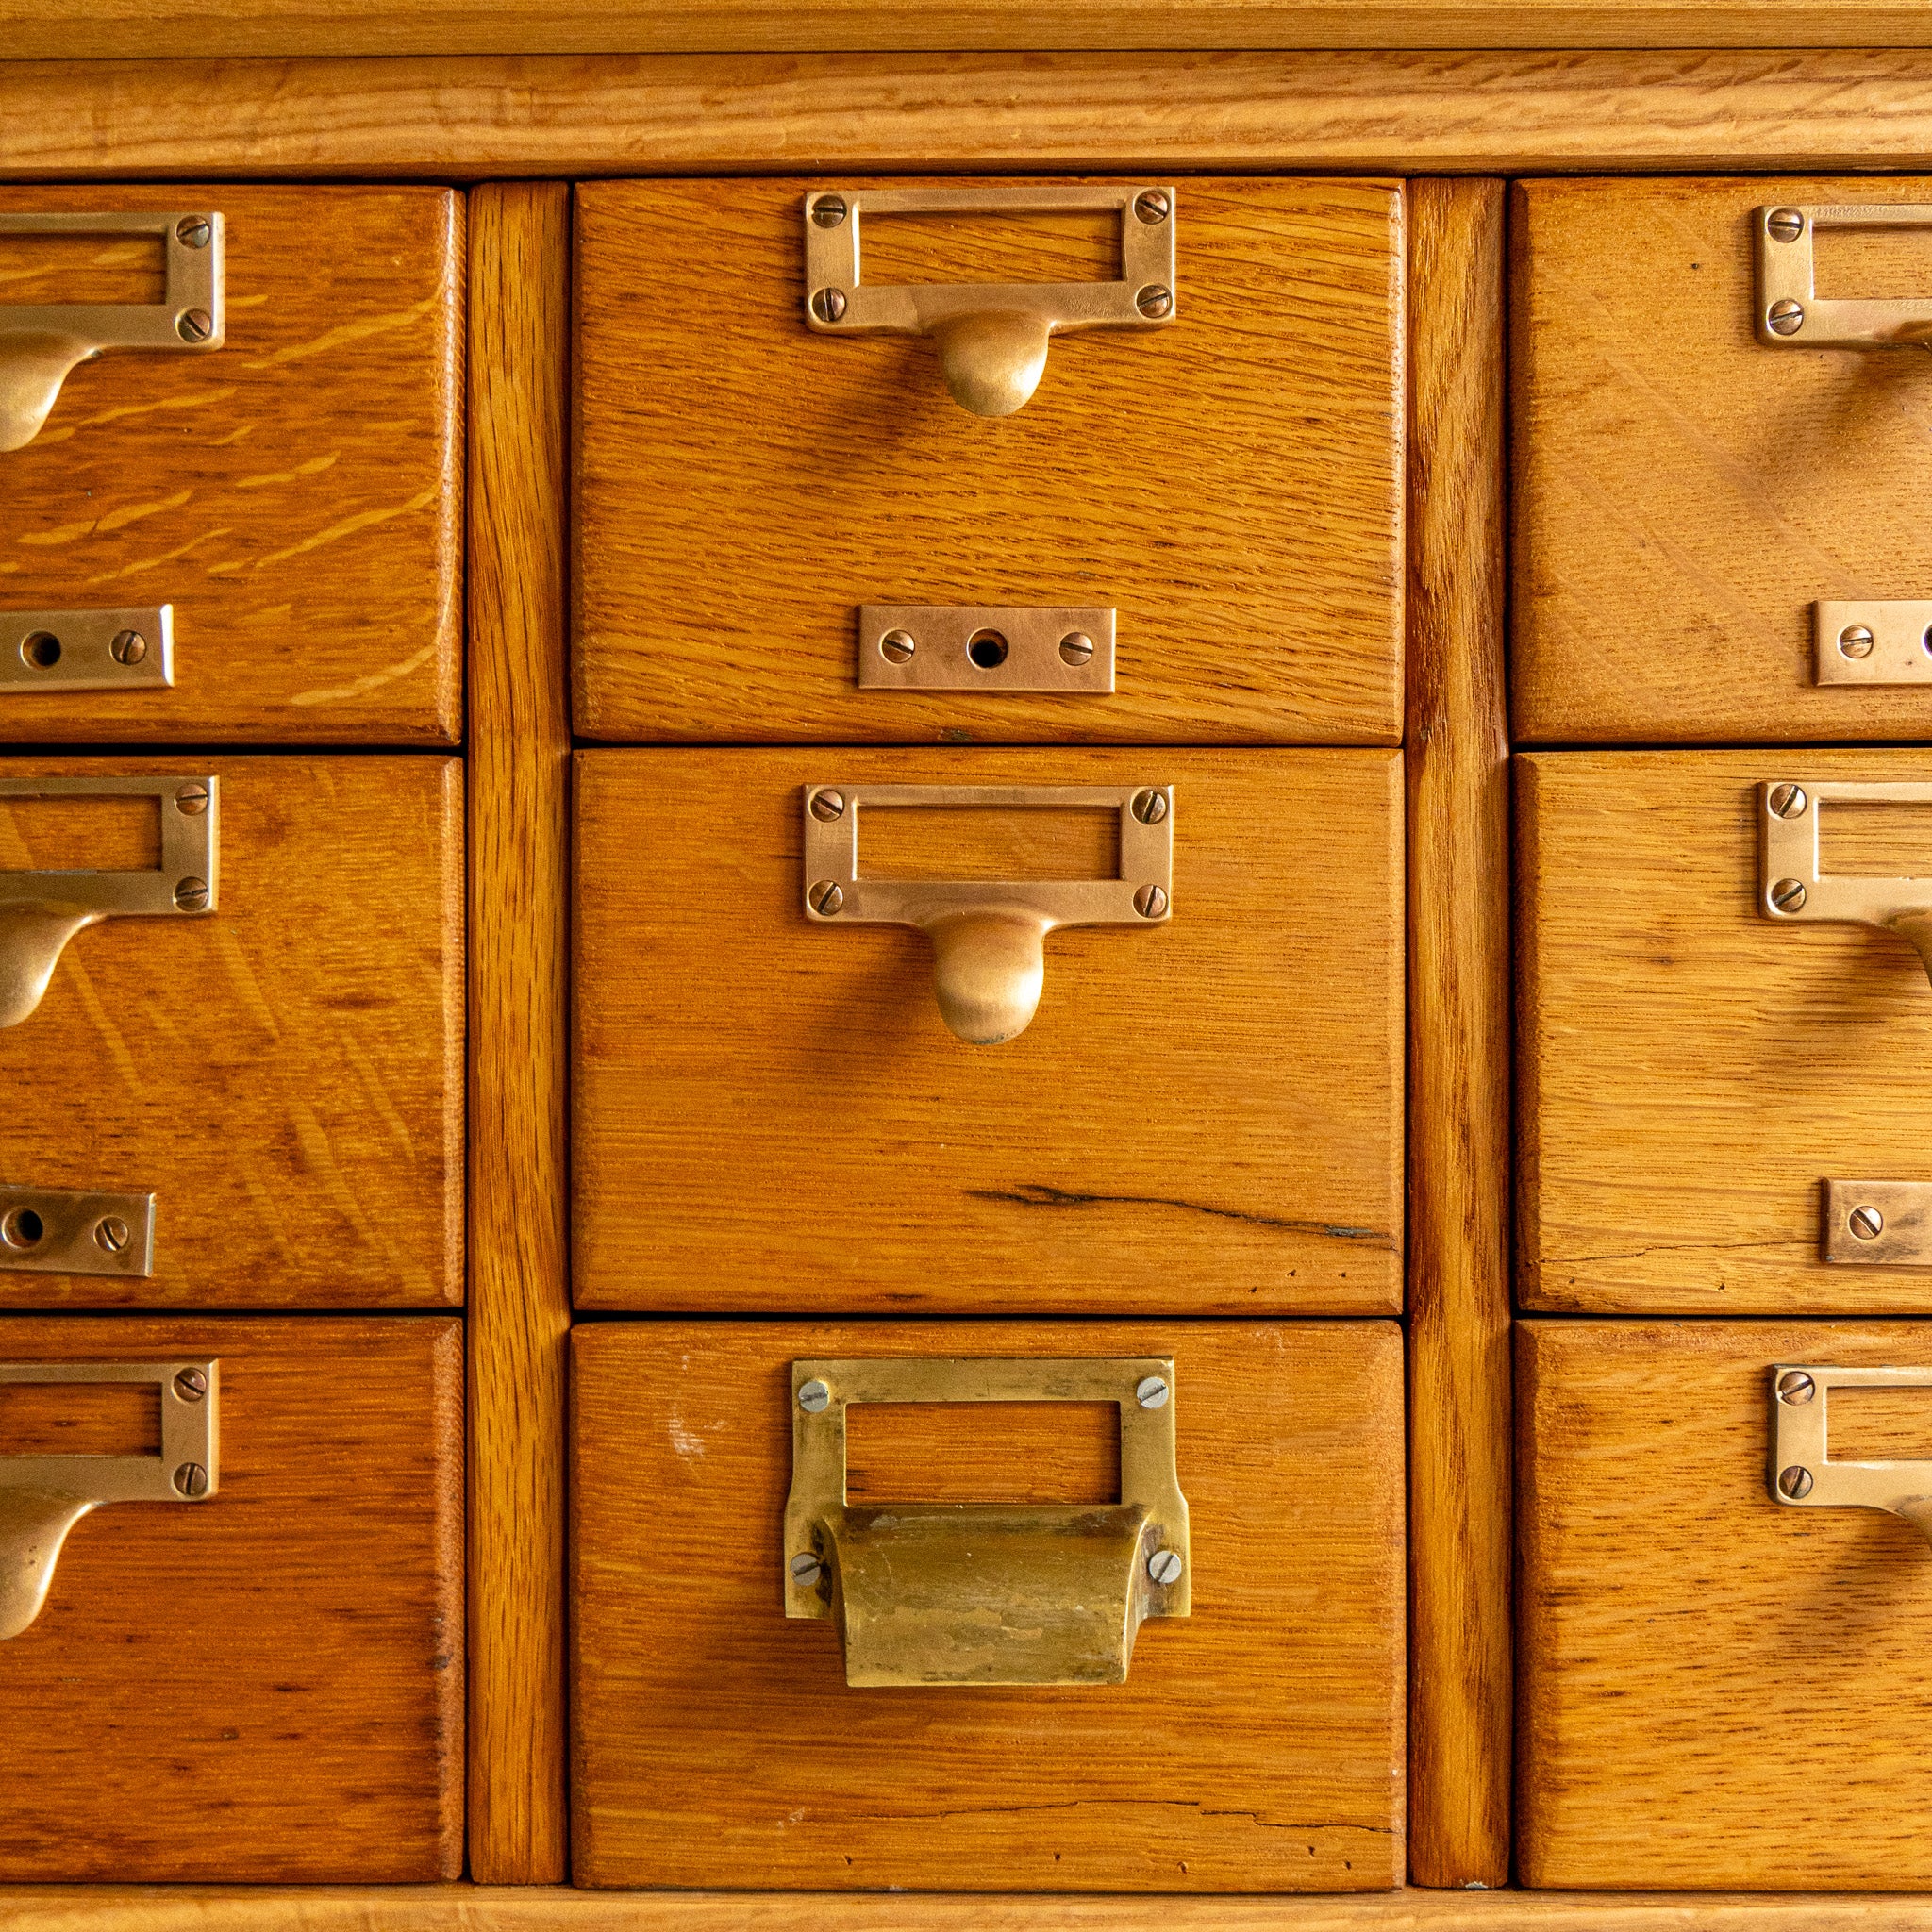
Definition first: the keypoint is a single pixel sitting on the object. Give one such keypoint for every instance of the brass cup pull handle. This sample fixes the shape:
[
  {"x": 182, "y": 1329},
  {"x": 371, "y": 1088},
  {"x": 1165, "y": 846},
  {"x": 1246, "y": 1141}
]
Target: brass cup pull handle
[
  {"x": 1803, "y": 1474},
  {"x": 42, "y": 1497},
  {"x": 40, "y": 346},
  {"x": 1791, "y": 314},
  {"x": 1792, "y": 888},
  {"x": 986, "y": 1594},
  {"x": 988, "y": 938},
  {"x": 39, "y": 911},
  {"x": 991, "y": 337}
]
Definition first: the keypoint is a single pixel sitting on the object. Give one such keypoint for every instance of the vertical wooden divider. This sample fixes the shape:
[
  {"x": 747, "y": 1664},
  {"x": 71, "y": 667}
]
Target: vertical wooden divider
[
  {"x": 519, "y": 759},
  {"x": 1460, "y": 1042}
]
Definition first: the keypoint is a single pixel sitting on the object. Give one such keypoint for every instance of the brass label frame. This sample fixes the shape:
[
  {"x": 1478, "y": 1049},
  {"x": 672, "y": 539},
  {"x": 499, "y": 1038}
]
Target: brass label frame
[
  {"x": 987, "y": 1593},
  {"x": 1802, "y": 1476},
  {"x": 1791, "y": 313},
  {"x": 82, "y": 1232},
  {"x": 84, "y": 649},
  {"x": 930, "y": 647}
]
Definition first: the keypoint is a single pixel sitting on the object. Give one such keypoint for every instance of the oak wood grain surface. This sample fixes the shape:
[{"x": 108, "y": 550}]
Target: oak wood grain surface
[
  {"x": 454, "y": 118},
  {"x": 1717, "y": 1692},
  {"x": 285, "y": 1073},
  {"x": 770, "y": 1115},
  {"x": 1690, "y": 1071},
  {"x": 1458, "y": 1044},
  {"x": 519, "y": 771},
  {"x": 1231, "y": 483},
  {"x": 296, "y": 496},
  {"x": 1683, "y": 493},
  {"x": 1256, "y": 1745},
  {"x": 266, "y": 1686}
]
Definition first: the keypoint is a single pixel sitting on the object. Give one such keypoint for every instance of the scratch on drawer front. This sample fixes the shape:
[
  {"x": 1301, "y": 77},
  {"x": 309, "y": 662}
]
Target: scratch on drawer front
[
  {"x": 1037, "y": 1194},
  {"x": 1681, "y": 1248}
]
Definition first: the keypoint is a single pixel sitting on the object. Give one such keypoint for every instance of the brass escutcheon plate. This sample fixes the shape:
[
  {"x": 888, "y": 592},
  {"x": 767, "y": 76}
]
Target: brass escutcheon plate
[
  {"x": 87, "y": 650},
  {"x": 985, "y": 647},
  {"x": 67, "y": 1231},
  {"x": 1873, "y": 641}
]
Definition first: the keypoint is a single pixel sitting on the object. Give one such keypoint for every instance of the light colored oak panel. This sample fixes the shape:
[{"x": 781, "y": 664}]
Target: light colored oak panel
[
  {"x": 1684, "y": 493},
  {"x": 1230, "y": 484},
  {"x": 286, "y": 1075},
  {"x": 771, "y": 1115},
  {"x": 1256, "y": 1745},
  {"x": 296, "y": 494},
  {"x": 1717, "y": 1692},
  {"x": 1691, "y": 1071},
  {"x": 283, "y": 1664}
]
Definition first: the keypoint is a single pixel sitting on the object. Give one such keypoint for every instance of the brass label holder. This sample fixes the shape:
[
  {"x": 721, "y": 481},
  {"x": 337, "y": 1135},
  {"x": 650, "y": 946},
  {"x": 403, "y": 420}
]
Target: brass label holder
[
  {"x": 1792, "y": 888},
  {"x": 42, "y": 1497},
  {"x": 983, "y": 1593},
  {"x": 988, "y": 936},
  {"x": 1801, "y": 1474},
  {"x": 87, "y": 650},
  {"x": 39, "y": 911},
  {"x": 991, "y": 337},
  {"x": 1059, "y": 647},
  {"x": 1791, "y": 313},
  {"x": 1873, "y": 641},
  {"x": 40, "y": 346},
  {"x": 63, "y": 1231}
]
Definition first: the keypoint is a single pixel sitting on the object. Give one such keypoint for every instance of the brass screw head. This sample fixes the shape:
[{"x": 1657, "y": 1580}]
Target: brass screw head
[
  {"x": 829, "y": 305},
  {"x": 897, "y": 646},
  {"x": 1151, "y": 1392},
  {"x": 192, "y": 895},
  {"x": 828, "y": 211},
  {"x": 804, "y": 1571},
  {"x": 1795, "y": 1482},
  {"x": 195, "y": 325},
  {"x": 1784, "y": 225},
  {"x": 129, "y": 647},
  {"x": 1867, "y": 1224},
  {"x": 814, "y": 1398},
  {"x": 190, "y": 1385},
  {"x": 1076, "y": 648},
  {"x": 1796, "y": 1387},
  {"x": 191, "y": 1480},
  {"x": 826, "y": 898},
  {"x": 110, "y": 1234},
  {"x": 1150, "y": 902},
  {"x": 1151, "y": 205},
  {"x": 1786, "y": 801},
  {"x": 1153, "y": 301},
  {"x": 1788, "y": 895},
  {"x": 1854, "y": 640},
  {"x": 829, "y": 805},
  {"x": 1150, "y": 807},
  {"x": 1164, "y": 1566},
  {"x": 1786, "y": 317},
  {"x": 192, "y": 800},
  {"x": 193, "y": 231}
]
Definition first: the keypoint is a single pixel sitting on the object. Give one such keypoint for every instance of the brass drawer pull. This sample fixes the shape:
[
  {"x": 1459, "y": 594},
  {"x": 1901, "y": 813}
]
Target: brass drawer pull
[
  {"x": 39, "y": 911},
  {"x": 42, "y": 1497},
  {"x": 61, "y": 1231},
  {"x": 1791, "y": 313},
  {"x": 985, "y": 647},
  {"x": 40, "y": 346},
  {"x": 1790, "y": 885},
  {"x": 988, "y": 936},
  {"x": 991, "y": 337},
  {"x": 987, "y": 1592},
  {"x": 87, "y": 650},
  {"x": 1804, "y": 1476}
]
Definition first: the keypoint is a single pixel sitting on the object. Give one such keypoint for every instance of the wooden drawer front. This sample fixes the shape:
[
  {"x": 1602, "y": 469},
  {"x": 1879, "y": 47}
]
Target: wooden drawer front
[
  {"x": 717, "y": 1742},
  {"x": 1683, "y": 492},
  {"x": 1205, "y": 1116},
  {"x": 1718, "y": 1692},
  {"x": 267, "y": 1686},
  {"x": 295, "y": 495},
  {"x": 1230, "y": 484},
  {"x": 285, "y": 1073},
  {"x": 1693, "y": 1071}
]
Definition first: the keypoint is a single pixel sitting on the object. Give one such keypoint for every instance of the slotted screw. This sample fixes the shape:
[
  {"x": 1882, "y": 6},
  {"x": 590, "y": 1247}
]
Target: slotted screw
[
  {"x": 1796, "y": 1387},
  {"x": 897, "y": 646},
  {"x": 1788, "y": 895},
  {"x": 191, "y": 1480},
  {"x": 1786, "y": 801},
  {"x": 1854, "y": 640},
  {"x": 828, "y": 805},
  {"x": 1795, "y": 1482},
  {"x": 192, "y": 800},
  {"x": 1164, "y": 1566},
  {"x": 804, "y": 1571},
  {"x": 110, "y": 1234},
  {"x": 1786, "y": 317},
  {"x": 826, "y": 898},
  {"x": 829, "y": 305},
  {"x": 1784, "y": 225},
  {"x": 193, "y": 231},
  {"x": 1867, "y": 1224},
  {"x": 1076, "y": 648},
  {"x": 1150, "y": 807},
  {"x": 1151, "y": 206},
  {"x": 1153, "y": 301},
  {"x": 129, "y": 647},
  {"x": 1150, "y": 902},
  {"x": 828, "y": 211},
  {"x": 192, "y": 895},
  {"x": 814, "y": 1398},
  {"x": 1151, "y": 1394},
  {"x": 195, "y": 325},
  {"x": 190, "y": 1385}
]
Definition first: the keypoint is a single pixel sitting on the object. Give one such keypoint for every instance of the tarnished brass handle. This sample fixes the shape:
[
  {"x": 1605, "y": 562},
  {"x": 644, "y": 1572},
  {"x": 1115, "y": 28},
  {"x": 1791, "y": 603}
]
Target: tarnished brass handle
[
  {"x": 40, "y": 346},
  {"x": 39, "y": 911},
  {"x": 991, "y": 337},
  {"x": 987, "y": 1593},
  {"x": 988, "y": 938},
  {"x": 1803, "y": 1476},
  {"x": 42, "y": 1497}
]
